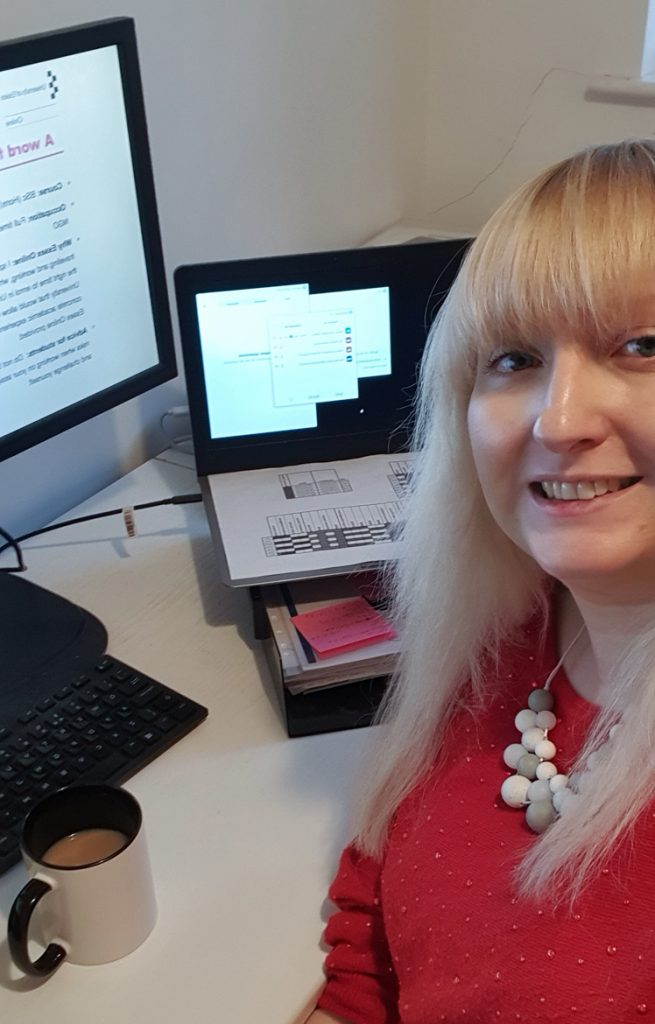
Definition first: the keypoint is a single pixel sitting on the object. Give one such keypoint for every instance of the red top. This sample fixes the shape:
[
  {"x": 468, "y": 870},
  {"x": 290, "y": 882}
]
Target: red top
[{"x": 435, "y": 931}]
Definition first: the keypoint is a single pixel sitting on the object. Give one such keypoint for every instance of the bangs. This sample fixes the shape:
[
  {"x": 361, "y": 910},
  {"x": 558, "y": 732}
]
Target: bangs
[{"x": 572, "y": 248}]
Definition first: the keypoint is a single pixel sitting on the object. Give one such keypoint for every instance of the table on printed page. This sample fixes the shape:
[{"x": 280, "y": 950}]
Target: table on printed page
[{"x": 244, "y": 825}]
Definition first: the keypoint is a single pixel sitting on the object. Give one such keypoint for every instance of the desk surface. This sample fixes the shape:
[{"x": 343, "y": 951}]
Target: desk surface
[{"x": 244, "y": 825}]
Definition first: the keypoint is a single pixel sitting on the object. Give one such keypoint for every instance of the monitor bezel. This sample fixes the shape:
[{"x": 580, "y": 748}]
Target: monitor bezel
[
  {"x": 436, "y": 263},
  {"x": 120, "y": 33}
]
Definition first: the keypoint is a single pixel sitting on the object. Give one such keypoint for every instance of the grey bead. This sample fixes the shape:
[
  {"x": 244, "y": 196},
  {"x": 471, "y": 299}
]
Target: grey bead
[
  {"x": 541, "y": 700},
  {"x": 539, "y": 815},
  {"x": 527, "y": 766}
]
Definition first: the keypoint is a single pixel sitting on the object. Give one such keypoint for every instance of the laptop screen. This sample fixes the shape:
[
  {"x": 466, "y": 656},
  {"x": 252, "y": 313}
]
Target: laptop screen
[{"x": 291, "y": 359}]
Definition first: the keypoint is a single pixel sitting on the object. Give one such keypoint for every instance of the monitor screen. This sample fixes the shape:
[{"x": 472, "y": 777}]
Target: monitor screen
[
  {"x": 84, "y": 316},
  {"x": 292, "y": 359}
]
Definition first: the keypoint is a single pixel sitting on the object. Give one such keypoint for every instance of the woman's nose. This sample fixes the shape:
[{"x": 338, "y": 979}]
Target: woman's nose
[{"x": 573, "y": 407}]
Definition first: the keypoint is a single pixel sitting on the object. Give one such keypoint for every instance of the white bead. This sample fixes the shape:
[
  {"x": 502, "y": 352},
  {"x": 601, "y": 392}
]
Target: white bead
[
  {"x": 546, "y": 770},
  {"x": 514, "y": 790},
  {"x": 593, "y": 759},
  {"x": 545, "y": 749},
  {"x": 513, "y": 754},
  {"x": 525, "y": 720},
  {"x": 546, "y": 720},
  {"x": 539, "y": 790},
  {"x": 558, "y": 782},
  {"x": 561, "y": 798},
  {"x": 531, "y": 737},
  {"x": 612, "y": 733}
]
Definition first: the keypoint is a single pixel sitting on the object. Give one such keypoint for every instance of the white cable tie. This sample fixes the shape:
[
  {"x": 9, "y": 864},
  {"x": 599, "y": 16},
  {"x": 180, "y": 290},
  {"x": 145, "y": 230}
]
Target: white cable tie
[{"x": 130, "y": 523}]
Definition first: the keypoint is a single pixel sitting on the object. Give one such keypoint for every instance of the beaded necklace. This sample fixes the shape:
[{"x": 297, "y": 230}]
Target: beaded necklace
[{"x": 537, "y": 784}]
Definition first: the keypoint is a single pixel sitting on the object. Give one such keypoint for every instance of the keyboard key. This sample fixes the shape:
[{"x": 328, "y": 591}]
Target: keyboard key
[
  {"x": 90, "y": 696},
  {"x": 79, "y": 722},
  {"x": 150, "y": 735},
  {"x": 27, "y": 717},
  {"x": 121, "y": 674},
  {"x": 4, "y": 732},
  {"x": 44, "y": 747},
  {"x": 75, "y": 746},
  {"x": 82, "y": 763},
  {"x": 63, "y": 692},
  {"x": 25, "y": 760},
  {"x": 80, "y": 682},
  {"x": 147, "y": 715},
  {"x": 92, "y": 732},
  {"x": 182, "y": 710},
  {"x": 9, "y": 818},
  {"x": 55, "y": 718},
  {"x": 131, "y": 725},
  {"x": 165, "y": 723},
  {"x": 73, "y": 707},
  {"x": 43, "y": 788},
  {"x": 111, "y": 769},
  {"x": 61, "y": 734},
  {"x": 116, "y": 737},
  {"x": 104, "y": 665},
  {"x": 145, "y": 696},
  {"x": 38, "y": 729},
  {"x": 19, "y": 743},
  {"x": 131, "y": 686},
  {"x": 99, "y": 750},
  {"x": 134, "y": 747},
  {"x": 7, "y": 843},
  {"x": 45, "y": 705}
]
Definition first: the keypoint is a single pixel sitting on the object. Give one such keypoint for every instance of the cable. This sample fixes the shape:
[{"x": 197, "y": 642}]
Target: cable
[{"x": 14, "y": 542}]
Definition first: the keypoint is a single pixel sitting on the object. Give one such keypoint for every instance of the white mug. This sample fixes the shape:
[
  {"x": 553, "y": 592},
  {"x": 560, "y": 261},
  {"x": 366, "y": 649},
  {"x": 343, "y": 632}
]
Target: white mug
[{"x": 85, "y": 848}]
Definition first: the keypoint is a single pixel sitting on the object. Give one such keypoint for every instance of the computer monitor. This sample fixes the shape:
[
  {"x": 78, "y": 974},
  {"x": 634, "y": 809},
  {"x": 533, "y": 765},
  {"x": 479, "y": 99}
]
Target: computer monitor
[
  {"x": 84, "y": 314},
  {"x": 311, "y": 356}
]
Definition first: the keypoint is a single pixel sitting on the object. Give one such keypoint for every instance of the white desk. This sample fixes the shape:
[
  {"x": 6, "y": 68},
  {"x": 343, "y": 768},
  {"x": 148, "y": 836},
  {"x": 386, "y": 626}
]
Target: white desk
[{"x": 244, "y": 825}]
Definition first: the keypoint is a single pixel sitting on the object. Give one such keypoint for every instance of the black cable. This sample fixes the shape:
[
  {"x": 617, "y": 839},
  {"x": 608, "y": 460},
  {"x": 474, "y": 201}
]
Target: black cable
[{"x": 14, "y": 542}]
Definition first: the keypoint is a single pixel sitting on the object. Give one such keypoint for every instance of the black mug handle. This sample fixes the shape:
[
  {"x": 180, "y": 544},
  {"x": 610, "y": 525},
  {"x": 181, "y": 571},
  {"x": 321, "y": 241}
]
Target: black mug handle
[{"x": 18, "y": 931}]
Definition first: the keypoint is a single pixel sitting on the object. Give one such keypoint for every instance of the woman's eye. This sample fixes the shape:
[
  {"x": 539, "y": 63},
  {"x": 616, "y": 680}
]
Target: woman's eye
[
  {"x": 643, "y": 346},
  {"x": 512, "y": 361}
]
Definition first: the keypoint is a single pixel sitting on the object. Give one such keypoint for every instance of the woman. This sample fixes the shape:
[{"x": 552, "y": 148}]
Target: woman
[{"x": 529, "y": 565}]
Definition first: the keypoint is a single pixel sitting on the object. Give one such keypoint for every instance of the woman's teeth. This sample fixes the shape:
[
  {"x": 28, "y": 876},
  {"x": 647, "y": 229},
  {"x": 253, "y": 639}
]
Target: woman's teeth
[{"x": 585, "y": 490}]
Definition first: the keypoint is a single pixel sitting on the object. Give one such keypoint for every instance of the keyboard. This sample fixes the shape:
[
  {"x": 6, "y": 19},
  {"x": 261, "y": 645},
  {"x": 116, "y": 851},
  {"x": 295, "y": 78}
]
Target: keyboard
[{"x": 102, "y": 724}]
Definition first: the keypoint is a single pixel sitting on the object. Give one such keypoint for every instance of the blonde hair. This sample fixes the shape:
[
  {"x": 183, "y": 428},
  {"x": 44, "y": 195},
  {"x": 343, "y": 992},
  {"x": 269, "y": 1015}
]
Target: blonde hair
[{"x": 555, "y": 250}]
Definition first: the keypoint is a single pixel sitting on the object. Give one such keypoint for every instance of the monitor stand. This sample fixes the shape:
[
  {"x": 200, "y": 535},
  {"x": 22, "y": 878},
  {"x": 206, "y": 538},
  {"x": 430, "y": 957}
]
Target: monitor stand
[{"x": 43, "y": 638}]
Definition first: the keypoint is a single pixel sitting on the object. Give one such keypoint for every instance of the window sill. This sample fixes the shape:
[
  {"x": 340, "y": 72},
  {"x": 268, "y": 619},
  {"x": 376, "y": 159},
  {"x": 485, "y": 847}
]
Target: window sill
[{"x": 634, "y": 92}]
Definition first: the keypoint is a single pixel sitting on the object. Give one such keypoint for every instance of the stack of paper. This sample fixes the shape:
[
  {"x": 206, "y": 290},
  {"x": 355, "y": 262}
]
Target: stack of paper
[{"x": 346, "y": 643}]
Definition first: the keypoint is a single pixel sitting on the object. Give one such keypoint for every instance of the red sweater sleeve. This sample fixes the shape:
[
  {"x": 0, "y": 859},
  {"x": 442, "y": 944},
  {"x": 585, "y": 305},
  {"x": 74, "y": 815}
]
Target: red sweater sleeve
[{"x": 361, "y": 983}]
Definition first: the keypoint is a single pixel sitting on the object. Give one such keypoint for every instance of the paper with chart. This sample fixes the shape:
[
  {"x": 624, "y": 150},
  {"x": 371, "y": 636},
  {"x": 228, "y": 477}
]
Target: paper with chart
[{"x": 314, "y": 519}]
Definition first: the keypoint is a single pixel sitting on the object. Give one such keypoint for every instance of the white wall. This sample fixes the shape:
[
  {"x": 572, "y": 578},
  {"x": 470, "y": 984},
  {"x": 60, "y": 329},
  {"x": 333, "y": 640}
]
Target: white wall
[
  {"x": 275, "y": 125},
  {"x": 506, "y": 95}
]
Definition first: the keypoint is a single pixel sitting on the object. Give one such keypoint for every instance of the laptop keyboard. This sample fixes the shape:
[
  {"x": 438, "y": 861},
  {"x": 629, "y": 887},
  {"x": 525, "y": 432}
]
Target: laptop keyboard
[{"x": 103, "y": 725}]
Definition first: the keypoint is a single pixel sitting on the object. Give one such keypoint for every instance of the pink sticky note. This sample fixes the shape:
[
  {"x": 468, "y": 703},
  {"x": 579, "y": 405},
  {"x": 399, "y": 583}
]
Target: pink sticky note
[{"x": 342, "y": 626}]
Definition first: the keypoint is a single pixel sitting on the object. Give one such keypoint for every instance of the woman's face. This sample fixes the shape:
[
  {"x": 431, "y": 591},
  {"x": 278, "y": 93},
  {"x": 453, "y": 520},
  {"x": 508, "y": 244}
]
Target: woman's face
[{"x": 563, "y": 438}]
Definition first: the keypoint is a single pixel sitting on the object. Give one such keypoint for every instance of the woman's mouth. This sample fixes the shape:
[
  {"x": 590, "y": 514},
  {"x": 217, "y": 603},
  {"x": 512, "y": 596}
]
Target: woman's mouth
[{"x": 581, "y": 490}]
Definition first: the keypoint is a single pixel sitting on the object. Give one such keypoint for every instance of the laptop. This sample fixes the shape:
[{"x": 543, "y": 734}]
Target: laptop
[{"x": 301, "y": 371}]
